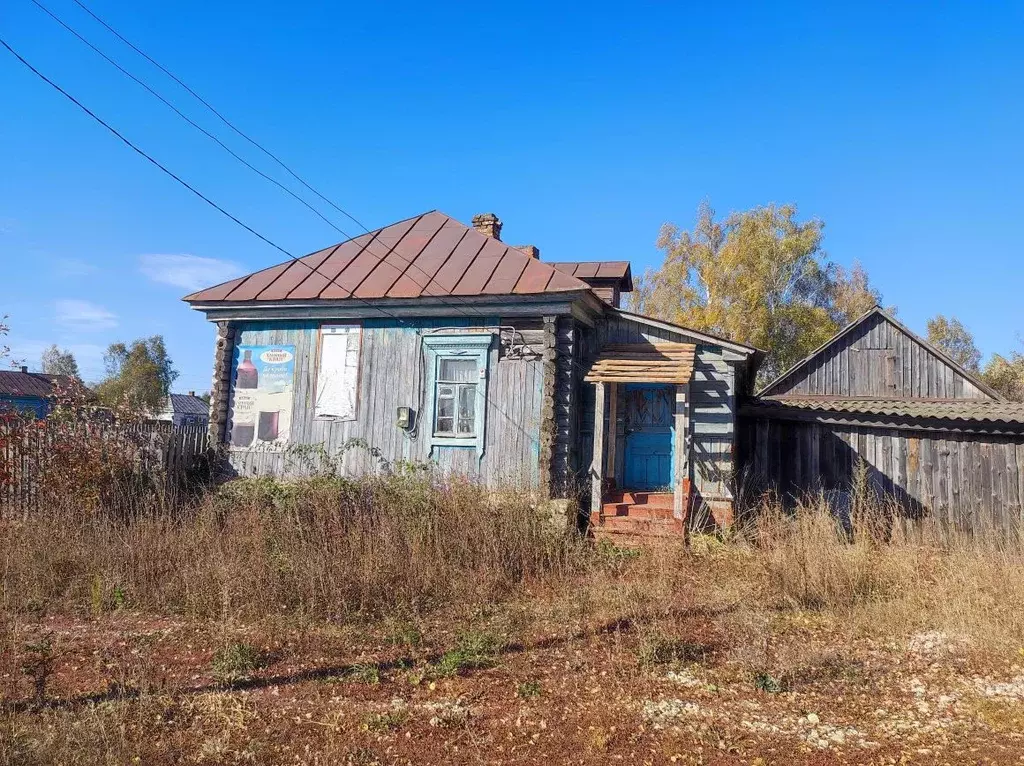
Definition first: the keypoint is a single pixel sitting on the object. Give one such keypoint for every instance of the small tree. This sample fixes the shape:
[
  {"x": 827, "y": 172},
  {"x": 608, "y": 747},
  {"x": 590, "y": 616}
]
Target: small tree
[
  {"x": 951, "y": 336},
  {"x": 56, "y": 361},
  {"x": 139, "y": 375},
  {"x": 1006, "y": 375}
]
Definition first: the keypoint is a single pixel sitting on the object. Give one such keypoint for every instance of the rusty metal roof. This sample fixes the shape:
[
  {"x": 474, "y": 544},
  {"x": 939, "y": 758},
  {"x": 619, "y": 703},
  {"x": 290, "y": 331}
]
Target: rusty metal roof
[
  {"x": 586, "y": 270},
  {"x": 17, "y": 383},
  {"x": 643, "y": 363},
  {"x": 968, "y": 410},
  {"x": 431, "y": 255}
]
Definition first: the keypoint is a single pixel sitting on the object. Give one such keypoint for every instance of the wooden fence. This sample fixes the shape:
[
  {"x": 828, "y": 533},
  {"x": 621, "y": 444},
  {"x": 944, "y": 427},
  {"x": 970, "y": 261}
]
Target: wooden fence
[
  {"x": 964, "y": 482},
  {"x": 39, "y": 458}
]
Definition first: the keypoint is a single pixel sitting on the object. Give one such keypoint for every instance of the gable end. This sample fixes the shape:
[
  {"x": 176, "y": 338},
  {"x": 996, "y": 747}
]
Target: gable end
[{"x": 876, "y": 357}]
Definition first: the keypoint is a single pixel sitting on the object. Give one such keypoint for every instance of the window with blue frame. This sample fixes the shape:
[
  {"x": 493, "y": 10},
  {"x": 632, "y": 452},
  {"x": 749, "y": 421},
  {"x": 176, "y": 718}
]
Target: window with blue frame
[
  {"x": 455, "y": 397},
  {"x": 457, "y": 388}
]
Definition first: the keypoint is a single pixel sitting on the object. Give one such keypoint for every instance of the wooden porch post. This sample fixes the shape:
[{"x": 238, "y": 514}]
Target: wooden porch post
[
  {"x": 613, "y": 415},
  {"x": 597, "y": 462},
  {"x": 681, "y": 451}
]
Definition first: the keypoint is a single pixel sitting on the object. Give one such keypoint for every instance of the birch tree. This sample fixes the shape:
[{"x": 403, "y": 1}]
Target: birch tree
[{"x": 758, "y": 277}]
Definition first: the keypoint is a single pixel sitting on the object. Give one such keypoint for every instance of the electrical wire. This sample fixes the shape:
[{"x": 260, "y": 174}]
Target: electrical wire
[
  {"x": 219, "y": 208},
  {"x": 220, "y": 116}
]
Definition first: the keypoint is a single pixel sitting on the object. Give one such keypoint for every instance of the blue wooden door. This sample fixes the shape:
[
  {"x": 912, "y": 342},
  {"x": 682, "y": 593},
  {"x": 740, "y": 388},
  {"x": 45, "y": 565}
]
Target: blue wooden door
[{"x": 649, "y": 443}]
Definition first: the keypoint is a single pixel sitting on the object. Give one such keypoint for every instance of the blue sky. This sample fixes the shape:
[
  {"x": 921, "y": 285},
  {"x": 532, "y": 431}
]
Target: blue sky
[{"x": 900, "y": 127}]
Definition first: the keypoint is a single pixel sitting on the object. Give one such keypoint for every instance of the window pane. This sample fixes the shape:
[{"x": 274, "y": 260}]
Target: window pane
[
  {"x": 467, "y": 409},
  {"x": 445, "y": 406},
  {"x": 445, "y": 425},
  {"x": 459, "y": 370}
]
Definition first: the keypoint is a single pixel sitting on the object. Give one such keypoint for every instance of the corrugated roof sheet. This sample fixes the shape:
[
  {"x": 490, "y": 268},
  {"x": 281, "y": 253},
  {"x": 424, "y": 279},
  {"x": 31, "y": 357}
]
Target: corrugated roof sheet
[
  {"x": 431, "y": 255},
  {"x": 18, "y": 383},
  {"x": 974, "y": 410},
  {"x": 184, "y": 404}
]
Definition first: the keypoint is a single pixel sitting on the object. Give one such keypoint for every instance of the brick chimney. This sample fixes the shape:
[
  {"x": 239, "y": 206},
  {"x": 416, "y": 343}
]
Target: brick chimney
[
  {"x": 488, "y": 224},
  {"x": 191, "y": 393},
  {"x": 531, "y": 250},
  {"x": 24, "y": 368}
]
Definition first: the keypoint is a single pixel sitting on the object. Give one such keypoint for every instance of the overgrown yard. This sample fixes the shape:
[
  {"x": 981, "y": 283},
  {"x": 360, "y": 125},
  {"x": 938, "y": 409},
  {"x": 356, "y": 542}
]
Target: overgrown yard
[{"x": 415, "y": 620}]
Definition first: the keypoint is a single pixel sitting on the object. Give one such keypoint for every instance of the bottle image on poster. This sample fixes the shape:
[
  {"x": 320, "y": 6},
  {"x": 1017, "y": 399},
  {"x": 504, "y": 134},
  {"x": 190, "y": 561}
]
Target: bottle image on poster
[{"x": 261, "y": 403}]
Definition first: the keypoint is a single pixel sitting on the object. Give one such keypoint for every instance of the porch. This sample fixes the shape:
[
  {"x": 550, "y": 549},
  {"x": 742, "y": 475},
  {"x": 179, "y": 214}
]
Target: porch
[{"x": 640, "y": 469}]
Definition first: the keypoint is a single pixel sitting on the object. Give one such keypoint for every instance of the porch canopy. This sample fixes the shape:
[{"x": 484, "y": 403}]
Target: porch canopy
[
  {"x": 668, "y": 364},
  {"x": 643, "y": 363}
]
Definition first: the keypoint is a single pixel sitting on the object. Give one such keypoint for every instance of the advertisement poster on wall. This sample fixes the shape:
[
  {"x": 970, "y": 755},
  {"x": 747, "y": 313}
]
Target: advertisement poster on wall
[{"x": 261, "y": 405}]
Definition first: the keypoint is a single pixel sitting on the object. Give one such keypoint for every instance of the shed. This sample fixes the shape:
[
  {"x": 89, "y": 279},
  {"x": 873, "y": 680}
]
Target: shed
[{"x": 930, "y": 434}]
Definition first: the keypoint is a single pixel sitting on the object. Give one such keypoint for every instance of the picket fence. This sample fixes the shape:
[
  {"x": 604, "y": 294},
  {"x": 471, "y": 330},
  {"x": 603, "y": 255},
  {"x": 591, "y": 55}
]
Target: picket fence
[{"x": 167, "y": 457}]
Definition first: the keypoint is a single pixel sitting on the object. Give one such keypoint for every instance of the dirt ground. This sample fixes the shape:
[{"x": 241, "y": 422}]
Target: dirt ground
[{"x": 125, "y": 688}]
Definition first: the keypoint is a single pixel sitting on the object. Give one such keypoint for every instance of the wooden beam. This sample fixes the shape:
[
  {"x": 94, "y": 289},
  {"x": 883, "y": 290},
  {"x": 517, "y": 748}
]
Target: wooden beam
[
  {"x": 681, "y": 450},
  {"x": 613, "y": 430},
  {"x": 597, "y": 462}
]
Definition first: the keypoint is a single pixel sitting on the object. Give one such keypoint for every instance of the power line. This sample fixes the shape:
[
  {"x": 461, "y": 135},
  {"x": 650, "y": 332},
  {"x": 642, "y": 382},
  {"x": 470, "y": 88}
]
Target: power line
[
  {"x": 220, "y": 116},
  {"x": 152, "y": 91},
  {"x": 140, "y": 152},
  {"x": 217, "y": 207},
  {"x": 187, "y": 119}
]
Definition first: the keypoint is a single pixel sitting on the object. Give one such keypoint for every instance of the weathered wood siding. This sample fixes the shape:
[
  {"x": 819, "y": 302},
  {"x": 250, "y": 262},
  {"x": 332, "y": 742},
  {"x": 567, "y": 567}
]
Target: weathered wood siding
[
  {"x": 877, "y": 359},
  {"x": 967, "y": 482},
  {"x": 712, "y": 414},
  {"x": 392, "y": 374}
]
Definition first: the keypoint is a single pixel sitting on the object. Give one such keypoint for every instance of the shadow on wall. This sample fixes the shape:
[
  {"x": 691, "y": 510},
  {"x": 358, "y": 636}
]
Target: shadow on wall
[{"x": 806, "y": 463}]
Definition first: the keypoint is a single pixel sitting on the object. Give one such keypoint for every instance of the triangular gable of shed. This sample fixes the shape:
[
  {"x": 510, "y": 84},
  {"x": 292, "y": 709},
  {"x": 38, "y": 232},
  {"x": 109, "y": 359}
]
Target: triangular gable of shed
[{"x": 876, "y": 356}]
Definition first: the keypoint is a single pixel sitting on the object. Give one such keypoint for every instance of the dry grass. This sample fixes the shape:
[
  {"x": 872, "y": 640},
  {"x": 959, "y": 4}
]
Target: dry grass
[
  {"x": 414, "y": 581},
  {"x": 323, "y": 548}
]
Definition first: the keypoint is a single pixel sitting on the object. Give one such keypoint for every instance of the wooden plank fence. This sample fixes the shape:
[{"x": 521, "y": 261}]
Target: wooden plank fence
[
  {"x": 163, "y": 455},
  {"x": 969, "y": 483}
]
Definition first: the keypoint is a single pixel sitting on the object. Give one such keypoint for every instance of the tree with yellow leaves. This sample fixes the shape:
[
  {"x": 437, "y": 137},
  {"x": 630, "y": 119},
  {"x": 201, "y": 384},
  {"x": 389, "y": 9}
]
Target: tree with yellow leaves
[{"x": 759, "y": 277}]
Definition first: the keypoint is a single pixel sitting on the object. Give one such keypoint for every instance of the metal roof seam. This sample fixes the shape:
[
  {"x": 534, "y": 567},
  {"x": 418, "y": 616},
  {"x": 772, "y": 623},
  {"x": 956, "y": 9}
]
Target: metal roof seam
[
  {"x": 409, "y": 263},
  {"x": 315, "y": 271}
]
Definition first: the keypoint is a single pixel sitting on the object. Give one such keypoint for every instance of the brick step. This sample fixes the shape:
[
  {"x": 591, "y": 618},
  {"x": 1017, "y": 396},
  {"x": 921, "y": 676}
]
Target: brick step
[
  {"x": 639, "y": 526},
  {"x": 633, "y": 539},
  {"x": 620, "y": 510},
  {"x": 658, "y": 499}
]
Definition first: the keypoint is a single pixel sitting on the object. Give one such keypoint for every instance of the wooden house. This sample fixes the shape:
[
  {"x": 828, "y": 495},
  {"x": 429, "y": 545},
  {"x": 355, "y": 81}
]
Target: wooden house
[
  {"x": 429, "y": 340},
  {"x": 181, "y": 410},
  {"x": 928, "y": 433},
  {"x": 27, "y": 392}
]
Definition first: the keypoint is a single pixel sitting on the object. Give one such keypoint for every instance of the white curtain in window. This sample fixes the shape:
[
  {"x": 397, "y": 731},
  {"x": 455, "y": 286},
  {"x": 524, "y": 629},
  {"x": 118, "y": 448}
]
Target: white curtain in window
[{"x": 337, "y": 380}]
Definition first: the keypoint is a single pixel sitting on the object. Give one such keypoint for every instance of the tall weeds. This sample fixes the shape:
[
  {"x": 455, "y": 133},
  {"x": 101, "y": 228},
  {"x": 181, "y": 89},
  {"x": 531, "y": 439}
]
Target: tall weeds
[{"x": 322, "y": 548}]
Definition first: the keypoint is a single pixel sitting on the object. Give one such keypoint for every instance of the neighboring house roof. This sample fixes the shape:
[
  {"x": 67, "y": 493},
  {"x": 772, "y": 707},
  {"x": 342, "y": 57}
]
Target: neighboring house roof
[
  {"x": 967, "y": 410},
  {"x": 18, "y": 383},
  {"x": 852, "y": 326},
  {"x": 430, "y": 255},
  {"x": 187, "y": 404},
  {"x": 584, "y": 270}
]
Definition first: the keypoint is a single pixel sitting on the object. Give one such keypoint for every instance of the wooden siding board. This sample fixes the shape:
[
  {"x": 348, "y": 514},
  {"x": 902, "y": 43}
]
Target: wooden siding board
[
  {"x": 877, "y": 359},
  {"x": 391, "y": 375},
  {"x": 971, "y": 483}
]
